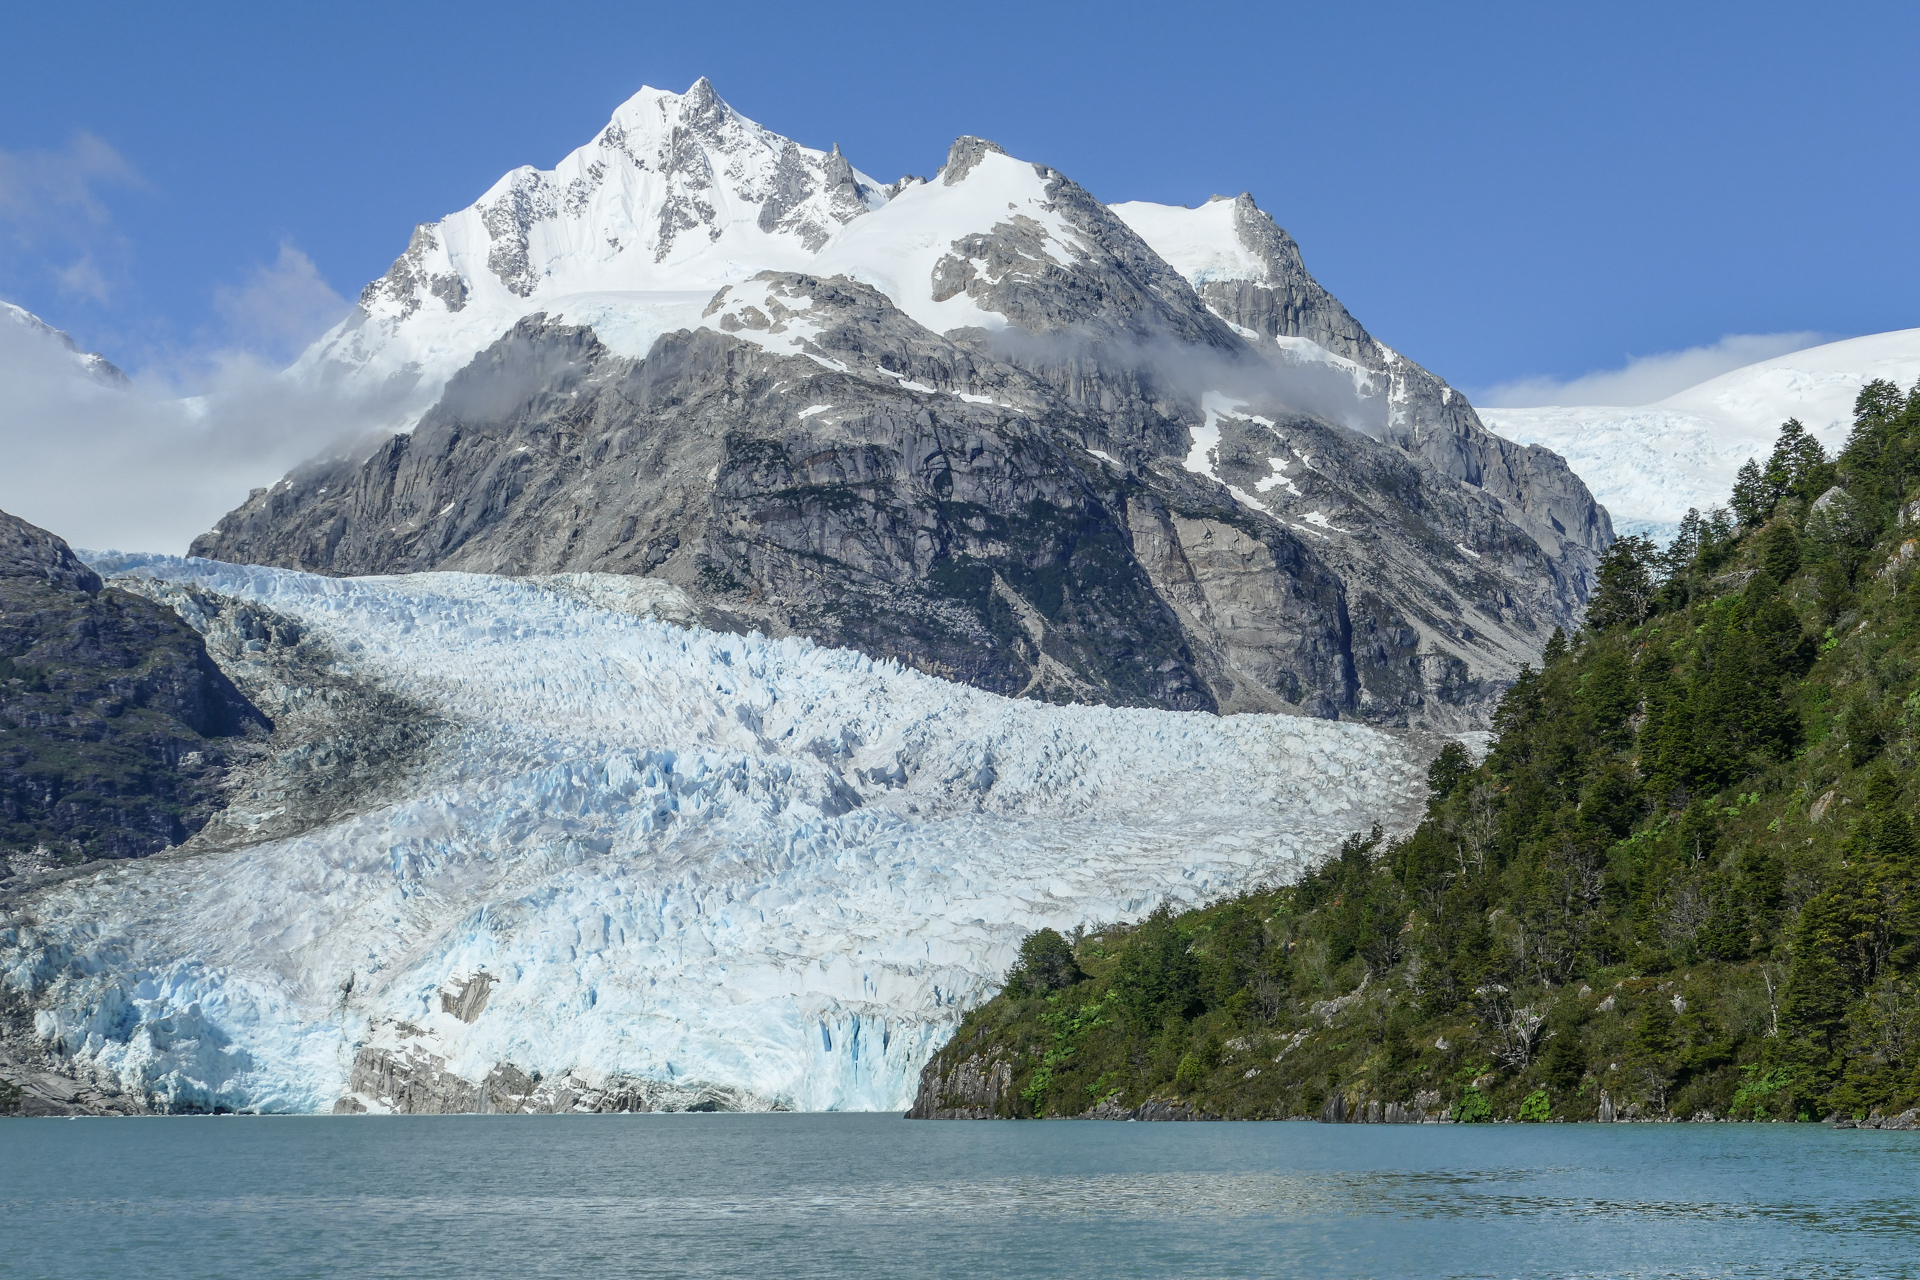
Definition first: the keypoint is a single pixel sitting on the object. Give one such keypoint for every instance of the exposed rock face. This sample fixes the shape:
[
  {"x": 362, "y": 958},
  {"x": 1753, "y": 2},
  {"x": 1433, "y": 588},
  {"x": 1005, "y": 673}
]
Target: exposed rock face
[
  {"x": 1425, "y": 1108},
  {"x": 914, "y": 497},
  {"x": 1907, "y": 1121},
  {"x": 402, "y": 1070},
  {"x": 116, "y": 729},
  {"x": 385, "y": 1081},
  {"x": 1151, "y": 1109},
  {"x": 339, "y": 746},
  {"x": 1273, "y": 296},
  {"x": 976, "y": 1089}
]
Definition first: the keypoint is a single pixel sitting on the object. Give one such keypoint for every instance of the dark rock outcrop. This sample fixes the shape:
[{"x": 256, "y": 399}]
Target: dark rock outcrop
[
  {"x": 409, "y": 1080},
  {"x": 1907, "y": 1121},
  {"x": 116, "y": 728},
  {"x": 341, "y": 744},
  {"x": 1151, "y": 1109},
  {"x": 1425, "y": 1108},
  {"x": 975, "y": 1089}
]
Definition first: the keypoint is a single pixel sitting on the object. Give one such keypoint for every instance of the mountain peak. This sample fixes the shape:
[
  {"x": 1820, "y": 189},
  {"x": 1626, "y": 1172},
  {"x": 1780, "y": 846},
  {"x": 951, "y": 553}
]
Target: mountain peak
[
  {"x": 966, "y": 152},
  {"x": 673, "y": 195}
]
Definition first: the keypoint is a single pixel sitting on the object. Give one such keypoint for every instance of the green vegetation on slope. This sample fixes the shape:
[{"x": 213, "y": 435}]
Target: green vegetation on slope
[{"x": 1686, "y": 876}]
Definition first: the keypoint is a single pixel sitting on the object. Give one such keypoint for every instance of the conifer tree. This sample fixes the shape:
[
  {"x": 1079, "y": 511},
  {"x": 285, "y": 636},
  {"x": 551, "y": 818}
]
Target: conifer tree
[
  {"x": 1608, "y": 696},
  {"x": 1752, "y": 499},
  {"x": 1623, "y": 593},
  {"x": 1798, "y": 466},
  {"x": 1893, "y": 844},
  {"x": 1556, "y": 648},
  {"x": 1780, "y": 551},
  {"x": 1814, "y": 1006}
]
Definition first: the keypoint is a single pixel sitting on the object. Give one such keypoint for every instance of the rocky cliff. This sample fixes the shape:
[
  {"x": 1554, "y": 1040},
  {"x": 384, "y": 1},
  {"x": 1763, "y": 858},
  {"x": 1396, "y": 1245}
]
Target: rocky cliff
[{"x": 116, "y": 729}]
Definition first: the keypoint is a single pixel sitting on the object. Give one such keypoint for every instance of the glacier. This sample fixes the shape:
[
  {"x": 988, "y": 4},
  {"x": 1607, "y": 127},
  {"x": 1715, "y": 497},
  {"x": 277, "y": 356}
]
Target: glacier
[
  {"x": 1649, "y": 463},
  {"x": 774, "y": 869}
]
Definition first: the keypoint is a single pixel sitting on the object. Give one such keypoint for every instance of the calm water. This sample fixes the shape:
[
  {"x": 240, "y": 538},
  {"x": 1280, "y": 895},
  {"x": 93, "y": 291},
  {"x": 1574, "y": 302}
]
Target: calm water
[{"x": 862, "y": 1195}]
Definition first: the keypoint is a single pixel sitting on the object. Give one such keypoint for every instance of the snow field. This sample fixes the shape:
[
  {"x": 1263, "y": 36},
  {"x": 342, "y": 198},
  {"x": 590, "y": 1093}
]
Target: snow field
[{"x": 1648, "y": 464}]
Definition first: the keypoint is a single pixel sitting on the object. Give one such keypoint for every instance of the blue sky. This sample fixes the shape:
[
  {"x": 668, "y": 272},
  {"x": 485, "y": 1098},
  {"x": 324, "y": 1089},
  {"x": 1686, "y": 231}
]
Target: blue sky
[{"x": 1501, "y": 191}]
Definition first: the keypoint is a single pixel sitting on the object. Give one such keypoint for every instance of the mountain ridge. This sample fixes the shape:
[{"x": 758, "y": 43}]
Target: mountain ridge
[{"x": 1287, "y": 528}]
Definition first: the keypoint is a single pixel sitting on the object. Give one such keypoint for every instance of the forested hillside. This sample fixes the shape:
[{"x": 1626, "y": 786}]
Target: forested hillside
[{"x": 1684, "y": 883}]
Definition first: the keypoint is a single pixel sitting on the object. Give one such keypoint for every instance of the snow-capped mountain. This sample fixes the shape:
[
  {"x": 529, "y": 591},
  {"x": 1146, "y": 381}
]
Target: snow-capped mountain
[
  {"x": 977, "y": 424},
  {"x": 25, "y": 337},
  {"x": 621, "y": 864},
  {"x": 677, "y": 195},
  {"x": 1650, "y": 463}
]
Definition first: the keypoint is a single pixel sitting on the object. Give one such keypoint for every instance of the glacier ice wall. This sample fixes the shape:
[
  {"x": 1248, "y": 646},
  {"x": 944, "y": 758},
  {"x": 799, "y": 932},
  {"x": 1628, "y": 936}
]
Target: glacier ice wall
[{"x": 684, "y": 856}]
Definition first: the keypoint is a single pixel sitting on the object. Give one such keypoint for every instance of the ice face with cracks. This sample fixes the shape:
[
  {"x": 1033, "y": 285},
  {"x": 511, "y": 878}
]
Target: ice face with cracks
[{"x": 776, "y": 868}]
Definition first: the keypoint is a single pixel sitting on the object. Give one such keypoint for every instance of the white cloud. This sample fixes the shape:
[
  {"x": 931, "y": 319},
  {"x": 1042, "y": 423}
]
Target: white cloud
[
  {"x": 37, "y": 187},
  {"x": 83, "y": 279},
  {"x": 142, "y": 469},
  {"x": 50, "y": 207},
  {"x": 279, "y": 309},
  {"x": 1646, "y": 379},
  {"x": 147, "y": 468}
]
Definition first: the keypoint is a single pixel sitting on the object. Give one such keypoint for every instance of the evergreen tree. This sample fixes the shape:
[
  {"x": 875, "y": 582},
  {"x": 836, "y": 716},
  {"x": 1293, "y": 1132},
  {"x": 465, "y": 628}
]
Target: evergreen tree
[
  {"x": 1158, "y": 976},
  {"x": 1046, "y": 964},
  {"x": 1724, "y": 705},
  {"x": 1818, "y": 991},
  {"x": 1452, "y": 764},
  {"x": 1673, "y": 767},
  {"x": 1556, "y": 648},
  {"x": 1798, "y": 466},
  {"x": 1893, "y": 844},
  {"x": 1780, "y": 551},
  {"x": 1607, "y": 695},
  {"x": 1752, "y": 497},
  {"x": 1875, "y": 410},
  {"x": 1623, "y": 592}
]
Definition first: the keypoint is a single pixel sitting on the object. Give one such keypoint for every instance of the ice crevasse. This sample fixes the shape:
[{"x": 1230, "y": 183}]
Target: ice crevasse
[{"x": 676, "y": 855}]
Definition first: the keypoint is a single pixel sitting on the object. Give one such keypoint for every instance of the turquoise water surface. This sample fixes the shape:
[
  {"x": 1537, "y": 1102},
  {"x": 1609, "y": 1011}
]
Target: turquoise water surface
[{"x": 769, "y": 1196}]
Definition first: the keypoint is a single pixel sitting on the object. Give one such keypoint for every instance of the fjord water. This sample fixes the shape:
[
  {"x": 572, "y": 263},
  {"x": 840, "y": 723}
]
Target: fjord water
[{"x": 860, "y": 1194}]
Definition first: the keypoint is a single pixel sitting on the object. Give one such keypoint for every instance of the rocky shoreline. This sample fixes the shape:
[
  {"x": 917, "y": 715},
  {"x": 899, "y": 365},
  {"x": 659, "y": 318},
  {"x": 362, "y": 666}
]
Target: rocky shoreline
[{"x": 979, "y": 1088}]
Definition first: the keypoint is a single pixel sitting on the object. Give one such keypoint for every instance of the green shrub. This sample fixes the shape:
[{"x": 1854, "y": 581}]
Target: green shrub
[{"x": 1046, "y": 965}]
